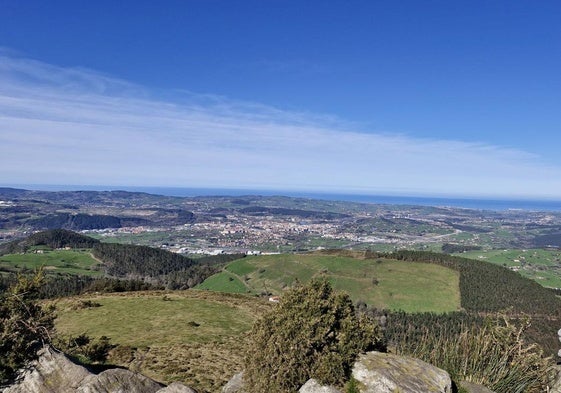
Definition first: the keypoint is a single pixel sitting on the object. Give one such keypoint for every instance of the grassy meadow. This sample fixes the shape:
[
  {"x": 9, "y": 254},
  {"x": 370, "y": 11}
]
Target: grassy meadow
[
  {"x": 383, "y": 283},
  {"x": 196, "y": 337},
  {"x": 53, "y": 261}
]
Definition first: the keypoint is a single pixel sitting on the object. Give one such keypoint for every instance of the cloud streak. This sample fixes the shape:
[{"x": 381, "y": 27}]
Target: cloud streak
[{"x": 76, "y": 126}]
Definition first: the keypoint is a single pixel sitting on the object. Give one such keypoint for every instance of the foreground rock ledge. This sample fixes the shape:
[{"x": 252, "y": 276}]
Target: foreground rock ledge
[
  {"x": 378, "y": 372},
  {"x": 53, "y": 372},
  {"x": 313, "y": 386},
  {"x": 386, "y": 373}
]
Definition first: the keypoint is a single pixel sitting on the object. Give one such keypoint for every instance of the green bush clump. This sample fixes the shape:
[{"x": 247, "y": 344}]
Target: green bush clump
[
  {"x": 86, "y": 349},
  {"x": 314, "y": 332},
  {"x": 25, "y": 325},
  {"x": 352, "y": 386}
]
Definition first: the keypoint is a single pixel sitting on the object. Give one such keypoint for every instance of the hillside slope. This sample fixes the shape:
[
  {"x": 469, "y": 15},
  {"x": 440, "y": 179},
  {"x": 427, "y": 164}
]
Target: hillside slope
[
  {"x": 383, "y": 283},
  {"x": 84, "y": 256},
  {"x": 404, "y": 281}
]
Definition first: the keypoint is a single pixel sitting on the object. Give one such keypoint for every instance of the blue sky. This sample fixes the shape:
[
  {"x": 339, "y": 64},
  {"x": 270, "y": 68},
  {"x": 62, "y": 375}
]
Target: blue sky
[{"x": 451, "y": 98}]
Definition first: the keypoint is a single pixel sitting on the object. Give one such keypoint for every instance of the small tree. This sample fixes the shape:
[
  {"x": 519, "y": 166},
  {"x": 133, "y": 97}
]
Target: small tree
[
  {"x": 24, "y": 325},
  {"x": 313, "y": 333}
]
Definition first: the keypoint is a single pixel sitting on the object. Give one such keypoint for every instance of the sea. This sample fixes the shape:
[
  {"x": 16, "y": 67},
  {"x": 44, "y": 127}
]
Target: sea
[{"x": 468, "y": 203}]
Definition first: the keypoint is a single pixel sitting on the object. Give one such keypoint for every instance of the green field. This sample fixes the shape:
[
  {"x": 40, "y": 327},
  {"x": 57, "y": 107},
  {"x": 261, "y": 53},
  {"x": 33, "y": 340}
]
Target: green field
[
  {"x": 543, "y": 266},
  {"x": 196, "y": 337},
  {"x": 146, "y": 318},
  {"x": 382, "y": 283},
  {"x": 57, "y": 261},
  {"x": 226, "y": 281}
]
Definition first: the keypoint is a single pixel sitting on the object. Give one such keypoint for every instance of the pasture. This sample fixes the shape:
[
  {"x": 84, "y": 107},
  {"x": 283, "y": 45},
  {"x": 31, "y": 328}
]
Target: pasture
[
  {"x": 196, "y": 337},
  {"x": 382, "y": 283},
  {"x": 52, "y": 261}
]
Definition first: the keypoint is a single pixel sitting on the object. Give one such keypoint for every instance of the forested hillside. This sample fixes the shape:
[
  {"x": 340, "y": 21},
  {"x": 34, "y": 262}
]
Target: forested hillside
[
  {"x": 126, "y": 267},
  {"x": 157, "y": 266},
  {"x": 54, "y": 238},
  {"x": 75, "y": 221},
  {"x": 486, "y": 287},
  {"x": 486, "y": 290},
  {"x": 123, "y": 260}
]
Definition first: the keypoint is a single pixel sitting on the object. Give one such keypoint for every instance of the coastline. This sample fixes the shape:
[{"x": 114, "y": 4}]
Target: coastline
[{"x": 495, "y": 204}]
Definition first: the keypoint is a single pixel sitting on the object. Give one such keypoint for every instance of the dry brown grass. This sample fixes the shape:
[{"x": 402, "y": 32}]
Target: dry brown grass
[{"x": 206, "y": 367}]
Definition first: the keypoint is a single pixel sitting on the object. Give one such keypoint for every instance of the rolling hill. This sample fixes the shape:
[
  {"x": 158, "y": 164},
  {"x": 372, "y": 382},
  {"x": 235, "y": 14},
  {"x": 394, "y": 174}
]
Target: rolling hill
[
  {"x": 383, "y": 283},
  {"x": 404, "y": 281},
  {"x": 197, "y": 336}
]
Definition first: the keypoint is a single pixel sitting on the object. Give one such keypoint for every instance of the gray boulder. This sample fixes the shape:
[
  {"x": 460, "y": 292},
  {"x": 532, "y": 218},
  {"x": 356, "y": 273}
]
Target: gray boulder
[
  {"x": 118, "y": 380},
  {"x": 313, "y": 386},
  {"x": 53, "y": 372},
  {"x": 234, "y": 385},
  {"x": 387, "y": 373}
]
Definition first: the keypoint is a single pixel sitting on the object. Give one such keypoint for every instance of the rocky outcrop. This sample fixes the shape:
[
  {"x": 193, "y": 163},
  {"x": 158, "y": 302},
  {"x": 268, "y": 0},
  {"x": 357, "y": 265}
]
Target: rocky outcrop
[
  {"x": 53, "y": 372},
  {"x": 378, "y": 373},
  {"x": 234, "y": 385},
  {"x": 386, "y": 373},
  {"x": 556, "y": 384},
  {"x": 118, "y": 380},
  {"x": 313, "y": 386},
  {"x": 375, "y": 372}
]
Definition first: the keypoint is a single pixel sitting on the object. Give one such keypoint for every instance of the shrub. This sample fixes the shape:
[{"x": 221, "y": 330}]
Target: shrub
[
  {"x": 85, "y": 304},
  {"x": 24, "y": 325},
  {"x": 313, "y": 333},
  {"x": 352, "y": 386},
  {"x": 85, "y": 349}
]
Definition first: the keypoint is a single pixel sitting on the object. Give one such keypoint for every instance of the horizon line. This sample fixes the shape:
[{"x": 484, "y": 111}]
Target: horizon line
[{"x": 239, "y": 191}]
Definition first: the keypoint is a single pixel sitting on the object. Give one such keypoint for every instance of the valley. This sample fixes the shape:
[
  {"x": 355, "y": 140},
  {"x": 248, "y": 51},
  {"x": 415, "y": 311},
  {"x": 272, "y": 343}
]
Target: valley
[
  {"x": 251, "y": 224},
  {"x": 175, "y": 284}
]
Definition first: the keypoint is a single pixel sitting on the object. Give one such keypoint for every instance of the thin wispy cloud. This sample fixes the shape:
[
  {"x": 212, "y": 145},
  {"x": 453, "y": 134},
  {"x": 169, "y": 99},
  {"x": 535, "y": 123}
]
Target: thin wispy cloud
[{"x": 77, "y": 126}]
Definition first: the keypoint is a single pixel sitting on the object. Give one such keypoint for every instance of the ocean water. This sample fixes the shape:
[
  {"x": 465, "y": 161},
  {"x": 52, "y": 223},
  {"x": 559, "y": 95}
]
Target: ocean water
[{"x": 469, "y": 203}]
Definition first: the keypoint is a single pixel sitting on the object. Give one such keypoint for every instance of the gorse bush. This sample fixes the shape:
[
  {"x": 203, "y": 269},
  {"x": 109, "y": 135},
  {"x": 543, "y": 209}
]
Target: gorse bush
[
  {"x": 24, "y": 325},
  {"x": 313, "y": 333},
  {"x": 495, "y": 356},
  {"x": 352, "y": 386}
]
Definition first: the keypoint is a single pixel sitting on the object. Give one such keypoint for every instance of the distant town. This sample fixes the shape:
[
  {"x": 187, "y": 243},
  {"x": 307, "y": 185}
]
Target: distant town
[{"x": 269, "y": 224}]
